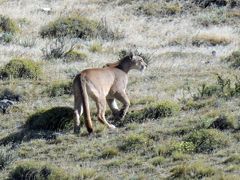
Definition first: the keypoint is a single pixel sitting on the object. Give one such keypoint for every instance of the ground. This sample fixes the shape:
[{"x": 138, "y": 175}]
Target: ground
[{"x": 186, "y": 44}]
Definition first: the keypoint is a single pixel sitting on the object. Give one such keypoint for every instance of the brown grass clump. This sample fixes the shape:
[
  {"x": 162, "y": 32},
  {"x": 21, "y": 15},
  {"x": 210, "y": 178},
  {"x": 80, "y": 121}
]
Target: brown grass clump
[{"x": 210, "y": 40}]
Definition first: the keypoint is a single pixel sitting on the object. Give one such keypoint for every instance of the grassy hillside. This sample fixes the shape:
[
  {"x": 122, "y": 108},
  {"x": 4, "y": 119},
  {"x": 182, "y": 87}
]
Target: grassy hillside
[{"x": 184, "y": 118}]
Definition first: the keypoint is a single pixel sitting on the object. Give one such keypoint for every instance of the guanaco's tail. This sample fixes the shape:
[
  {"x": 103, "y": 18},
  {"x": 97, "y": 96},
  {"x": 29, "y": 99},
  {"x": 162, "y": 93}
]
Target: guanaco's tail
[{"x": 86, "y": 111}]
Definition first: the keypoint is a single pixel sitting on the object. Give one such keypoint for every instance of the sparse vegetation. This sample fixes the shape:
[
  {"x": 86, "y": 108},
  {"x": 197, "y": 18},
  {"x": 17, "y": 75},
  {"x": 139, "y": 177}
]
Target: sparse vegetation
[
  {"x": 210, "y": 40},
  {"x": 21, "y": 68},
  {"x": 207, "y": 140},
  {"x": 59, "y": 89},
  {"x": 75, "y": 56},
  {"x": 183, "y": 119},
  {"x": 234, "y": 59},
  {"x": 192, "y": 171},
  {"x": 37, "y": 170}
]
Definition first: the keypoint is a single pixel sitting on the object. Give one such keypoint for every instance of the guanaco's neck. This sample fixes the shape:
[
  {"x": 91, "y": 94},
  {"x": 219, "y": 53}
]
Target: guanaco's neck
[{"x": 124, "y": 66}]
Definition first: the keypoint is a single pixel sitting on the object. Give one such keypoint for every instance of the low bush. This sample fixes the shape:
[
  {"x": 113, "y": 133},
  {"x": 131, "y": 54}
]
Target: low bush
[
  {"x": 74, "y": 56},
  {"x": 59, "y": 88},
  {"x": 207, "y": 140},
  {"x": 7, "y": 25},
  {"x": 37, "y": 170},
  {"x": 21, "y": 68},
  {"x": 173, "y": 147},
  {"x": 54, "y": 119},
  {"x": 192, "y": 171},
  {"x": 78, "y": 27},
  {"x": 224, "y": 87},
  {"x": 224, "y": 122},
  {"x": 233, "y": 59}
]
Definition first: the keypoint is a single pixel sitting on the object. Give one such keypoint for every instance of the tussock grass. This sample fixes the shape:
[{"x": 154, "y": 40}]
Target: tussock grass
[
  {"x": 210, "y": 39},
  {"x": 37, "y": 170},
  {"x": 59, "y": 89},
  {"x": 193, "y": 171}
]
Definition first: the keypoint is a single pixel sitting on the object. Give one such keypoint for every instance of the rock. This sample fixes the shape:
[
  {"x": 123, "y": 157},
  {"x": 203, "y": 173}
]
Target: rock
[{"x": 5, "y": 104}]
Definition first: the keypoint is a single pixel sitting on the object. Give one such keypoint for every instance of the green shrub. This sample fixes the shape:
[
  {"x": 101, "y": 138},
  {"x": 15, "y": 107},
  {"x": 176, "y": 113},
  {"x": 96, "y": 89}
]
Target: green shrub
[
  {"x": 172, "y": 147},
  {"x": 77, "y": 27},
  {"x": 37, "y": 170},
  {"x": 60, "y": 89},
  {"x": 21, "y": 68},
  {"x": 192, "y": 171},
  {"x": 7, "y": 156},
  {"x": 57, "y": 118},
  {"x": 234, "y": 59},
  {"x": 224, "y": 87},
  {"x": 74, "y": 55},
  {"x": 207, "y": 140},
  {"x": 7, "y": 25},
  {"x": 224, "y": 122}
]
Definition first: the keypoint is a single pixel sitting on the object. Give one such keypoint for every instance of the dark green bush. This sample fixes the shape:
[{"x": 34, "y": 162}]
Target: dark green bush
[
  {"x": 60, "y": 89},
  {"x": 27, "y": 170},
  {"x": 234, "y": 59},
  {"x": 21, "y": 68},
  {"x": 57, "y": 118},
  {"x": 223, "y": 122},
  {"x": 7, "y": 25},
  {"x": 207, "y": 140},
  {"x": 78, "y": 27}
]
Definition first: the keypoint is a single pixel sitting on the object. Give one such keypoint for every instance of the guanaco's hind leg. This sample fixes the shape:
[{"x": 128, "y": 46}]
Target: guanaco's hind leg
[
  {"x": 78, "y": 110},
  {"x": 101, "y": 108},
  {"x": 113, "y": 106}
]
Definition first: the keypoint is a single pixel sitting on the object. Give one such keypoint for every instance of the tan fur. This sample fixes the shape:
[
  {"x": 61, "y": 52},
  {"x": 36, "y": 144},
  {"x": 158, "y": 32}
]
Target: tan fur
[{"x": 104, "y": 85}]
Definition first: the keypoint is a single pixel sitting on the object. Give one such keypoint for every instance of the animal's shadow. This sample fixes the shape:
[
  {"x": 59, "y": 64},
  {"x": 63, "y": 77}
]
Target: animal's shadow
[{"x": 46, "y": 124}]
